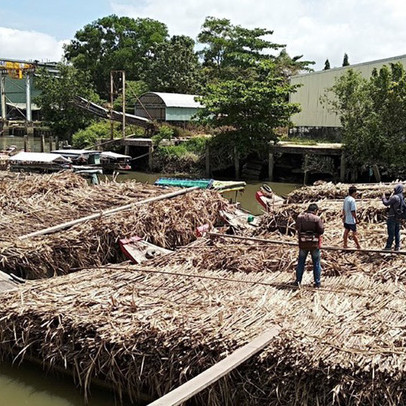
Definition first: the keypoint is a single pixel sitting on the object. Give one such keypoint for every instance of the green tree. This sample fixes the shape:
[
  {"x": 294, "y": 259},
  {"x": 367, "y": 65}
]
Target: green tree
[
  {"x": 174, "y": 67},
  {"x": 115, "y": 43},
  {"x": 290, "y": 66},
  {"x": 345, "y": 60},
  {"x": 326, "y": 65},
  {"x": 249, "y": 107},
  {"x": 56, "y": 99},
  {"x": 373, "y": 116},
  {"x": 228, "y": 49}
]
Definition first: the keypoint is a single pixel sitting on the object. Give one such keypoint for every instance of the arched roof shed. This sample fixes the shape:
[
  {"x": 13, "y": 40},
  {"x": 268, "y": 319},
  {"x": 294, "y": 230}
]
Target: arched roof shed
[{"x": 167, "y": 106}]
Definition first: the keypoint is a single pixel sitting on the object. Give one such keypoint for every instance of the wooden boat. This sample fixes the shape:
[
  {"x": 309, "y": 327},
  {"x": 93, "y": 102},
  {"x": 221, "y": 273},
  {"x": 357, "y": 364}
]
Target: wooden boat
[
  {"x": 113, "y": 162},
  {"x": 267, "y": 198},
  {"x": 220, "y": 186},
  {"x": 138, "y": 250}
]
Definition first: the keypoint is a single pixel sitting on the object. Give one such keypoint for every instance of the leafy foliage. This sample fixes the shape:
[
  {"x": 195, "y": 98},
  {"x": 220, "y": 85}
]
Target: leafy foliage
[
  {"x": 164, "y": 133},
  {"x": 326, "y": 65},
  {"x": 345, "y": 60},
  {"x": 57, "y": 93},
  {"x": 373, "y": 115},
  {"x": 174, "y": 67},
  {"x": 88, "y": 137},
  {"x": 251, "y": 107},
  {"x": 115, "y": 43},
  {"x": 229, "y": 49}
]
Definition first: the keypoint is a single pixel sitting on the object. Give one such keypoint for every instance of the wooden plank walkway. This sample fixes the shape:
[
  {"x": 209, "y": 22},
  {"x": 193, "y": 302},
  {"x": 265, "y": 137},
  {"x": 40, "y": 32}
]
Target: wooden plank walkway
[{"x": 211, "y": 375}]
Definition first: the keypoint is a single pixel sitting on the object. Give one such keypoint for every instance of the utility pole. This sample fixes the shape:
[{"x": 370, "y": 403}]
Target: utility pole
[{"x": 117, "y": 76}]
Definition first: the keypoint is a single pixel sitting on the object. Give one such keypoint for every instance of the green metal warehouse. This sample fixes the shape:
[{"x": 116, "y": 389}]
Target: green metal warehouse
[{"x": 170, "y": 107}]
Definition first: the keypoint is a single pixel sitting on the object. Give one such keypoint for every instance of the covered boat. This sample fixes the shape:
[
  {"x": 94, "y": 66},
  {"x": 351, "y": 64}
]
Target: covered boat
[
  {"x": 113, "y": 162},
  {"x": 38, "y": 162}
]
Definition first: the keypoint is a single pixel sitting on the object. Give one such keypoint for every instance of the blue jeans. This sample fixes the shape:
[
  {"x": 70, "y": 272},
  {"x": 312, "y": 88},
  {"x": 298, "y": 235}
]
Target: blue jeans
[
  {"x": 316, "y": 265},
  {"x": 393, "y": 233}
]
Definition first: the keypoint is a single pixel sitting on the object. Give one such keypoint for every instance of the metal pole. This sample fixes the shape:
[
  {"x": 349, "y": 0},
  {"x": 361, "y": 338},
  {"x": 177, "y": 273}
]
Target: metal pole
[
  {"x": 123, "y": 76},
  {"x": 3, "y": 96},
  {"x": 111, "y": 105},
  {"x": 28, "y": 97}
]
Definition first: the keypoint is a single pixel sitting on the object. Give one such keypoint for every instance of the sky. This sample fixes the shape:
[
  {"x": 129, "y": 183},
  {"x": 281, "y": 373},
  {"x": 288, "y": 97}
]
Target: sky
[{"x": 366, "y": 30}]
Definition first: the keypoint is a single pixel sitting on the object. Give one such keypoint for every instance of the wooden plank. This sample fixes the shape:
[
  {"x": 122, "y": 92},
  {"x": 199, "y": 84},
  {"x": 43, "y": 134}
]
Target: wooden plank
[{"x": 217, "y": 371}]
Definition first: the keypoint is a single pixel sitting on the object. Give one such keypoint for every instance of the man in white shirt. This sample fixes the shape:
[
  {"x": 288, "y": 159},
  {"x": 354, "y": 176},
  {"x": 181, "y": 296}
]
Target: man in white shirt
[{"x": 350, "y": 217}]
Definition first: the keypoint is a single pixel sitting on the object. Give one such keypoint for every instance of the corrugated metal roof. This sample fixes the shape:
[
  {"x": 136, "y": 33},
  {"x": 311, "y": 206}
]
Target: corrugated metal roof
[
  {"x": 39, "y": 157},
  {"x": 110, "y": 154},
  {"x": 178, "y": 99}
]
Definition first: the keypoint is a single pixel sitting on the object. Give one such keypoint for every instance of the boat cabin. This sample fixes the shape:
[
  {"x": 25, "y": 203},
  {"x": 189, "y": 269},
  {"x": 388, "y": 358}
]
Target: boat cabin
[
  {"x": 80, "y": 156},
  {"x": 113, "y": 162}
]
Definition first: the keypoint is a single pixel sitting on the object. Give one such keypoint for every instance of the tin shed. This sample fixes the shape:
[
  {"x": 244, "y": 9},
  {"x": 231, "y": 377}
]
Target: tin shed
[{"x": 172, "y": 107}]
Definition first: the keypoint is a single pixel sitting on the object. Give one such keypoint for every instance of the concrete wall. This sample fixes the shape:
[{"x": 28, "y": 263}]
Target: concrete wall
[{"x": 314, "y": 113}]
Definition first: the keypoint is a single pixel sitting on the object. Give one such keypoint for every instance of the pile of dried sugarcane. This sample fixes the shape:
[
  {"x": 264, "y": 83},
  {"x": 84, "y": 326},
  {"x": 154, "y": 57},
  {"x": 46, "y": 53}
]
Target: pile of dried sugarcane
[
  {"x": 149, "y": 328},
  {"x": 283, "y": 218},
  {"x": 168, "y": 223},
  {"x": 331, "y": 190}
]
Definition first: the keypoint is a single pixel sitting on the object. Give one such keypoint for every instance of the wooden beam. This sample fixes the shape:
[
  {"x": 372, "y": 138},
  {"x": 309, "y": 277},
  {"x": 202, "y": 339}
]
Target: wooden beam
[{"x": 217, "y": 371}]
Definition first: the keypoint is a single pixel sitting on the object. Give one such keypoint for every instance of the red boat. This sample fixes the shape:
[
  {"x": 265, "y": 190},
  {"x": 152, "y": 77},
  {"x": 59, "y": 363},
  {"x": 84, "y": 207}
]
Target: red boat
[
  {"x": 267, "y": 198},
  {"x": 138, "y": 250}
]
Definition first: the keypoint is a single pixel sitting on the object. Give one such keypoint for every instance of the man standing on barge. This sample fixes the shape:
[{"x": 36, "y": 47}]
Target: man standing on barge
[
  {"x": 394, "y": 202},
  {"x": 309, "y": 228},
  {"x": 350, "y": 217}
]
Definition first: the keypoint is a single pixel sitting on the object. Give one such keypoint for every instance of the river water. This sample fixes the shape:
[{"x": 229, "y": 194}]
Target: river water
[{"x": 28, "y": 384}]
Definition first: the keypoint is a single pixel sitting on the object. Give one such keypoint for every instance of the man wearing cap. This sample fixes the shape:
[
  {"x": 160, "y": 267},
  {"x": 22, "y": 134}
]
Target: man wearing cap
[
  {"x": 394, "y": 202},
  {"x": 309, "y": 228}
]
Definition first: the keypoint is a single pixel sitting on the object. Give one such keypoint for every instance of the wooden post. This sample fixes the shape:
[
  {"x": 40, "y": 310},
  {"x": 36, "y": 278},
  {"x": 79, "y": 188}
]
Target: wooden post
[
  {"x": 126, "y": 149},
  {"x": 306, "y": 163},
  {"x": 150, "y": 156},
  {"x": 42, "y": 143},
  {"x": 342, "y": 167},
  {"x": 271, "y": 164},
  {"x": 26, "y": 143},
  {"x": 208, "y": 169},
  {"x": 236, "y": 163},
  {"x": 217, "y": 371},
  {"x": 51, "y": 140},
  {"x": 57, "y": 142}
]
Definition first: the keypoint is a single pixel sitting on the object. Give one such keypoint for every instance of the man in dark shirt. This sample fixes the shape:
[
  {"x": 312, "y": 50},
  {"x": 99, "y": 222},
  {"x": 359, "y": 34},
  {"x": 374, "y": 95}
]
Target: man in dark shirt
[
  {"x": 394, "y": 201},
  {"x": 309, "y": 229}
]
